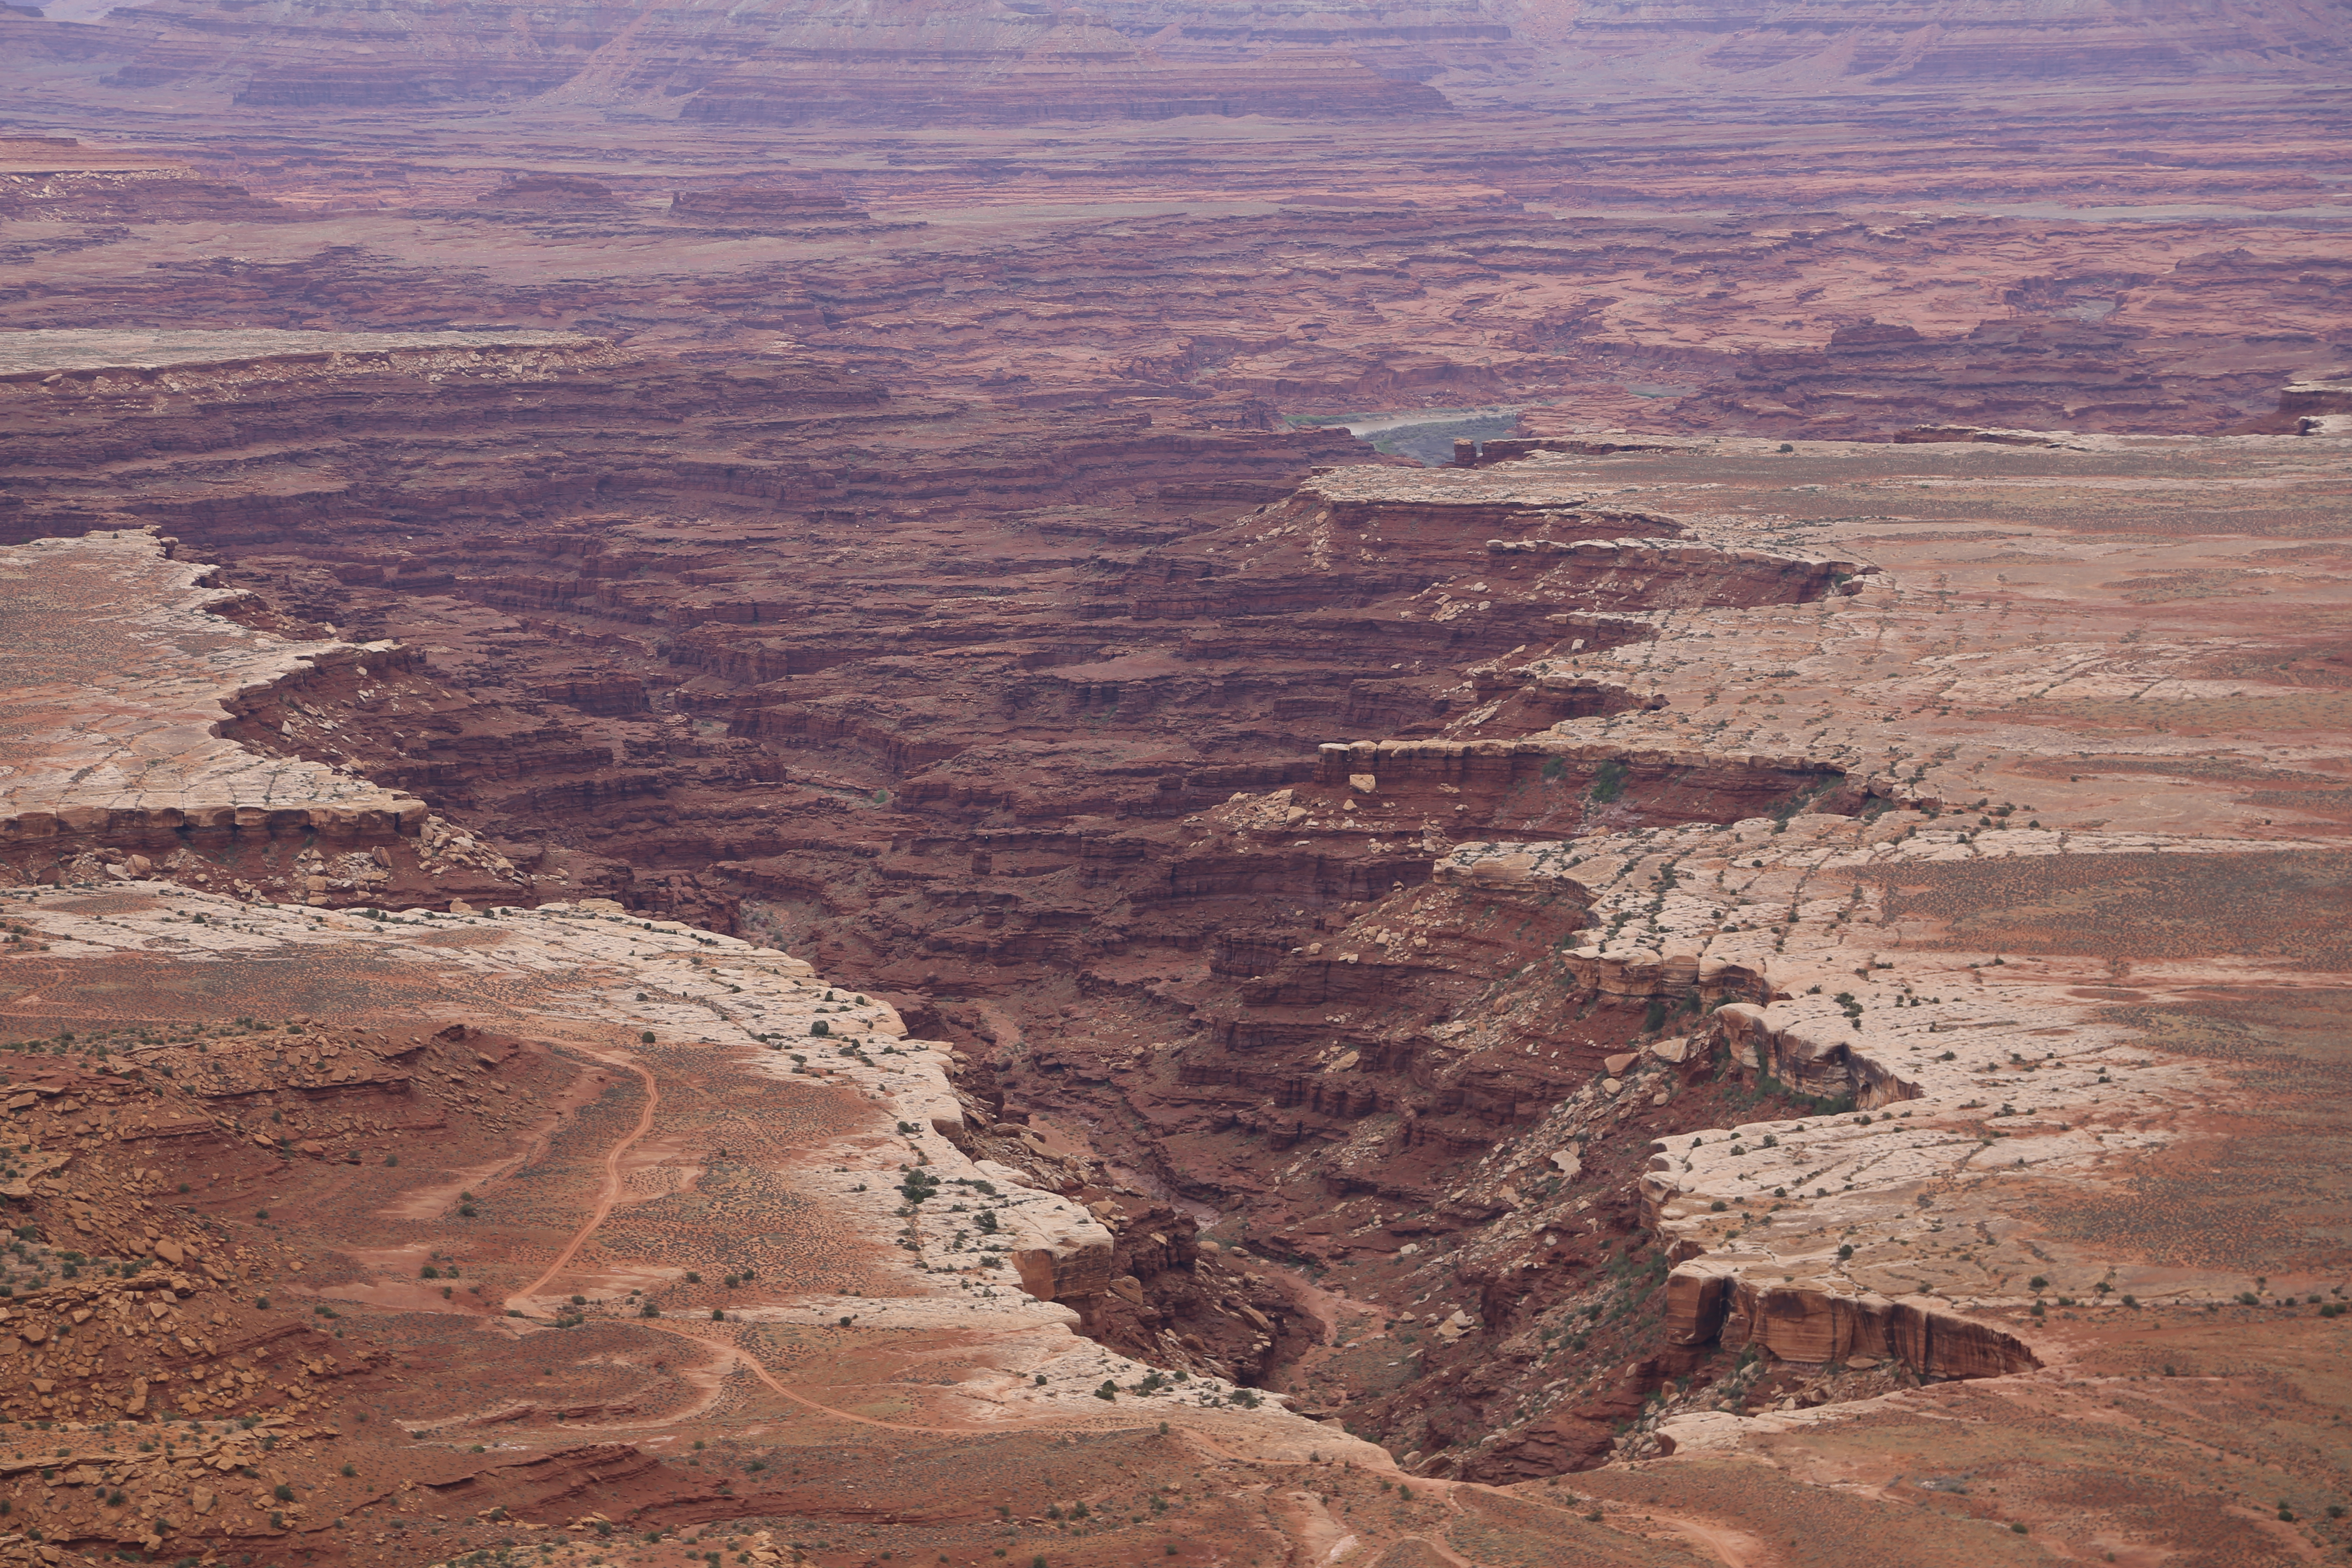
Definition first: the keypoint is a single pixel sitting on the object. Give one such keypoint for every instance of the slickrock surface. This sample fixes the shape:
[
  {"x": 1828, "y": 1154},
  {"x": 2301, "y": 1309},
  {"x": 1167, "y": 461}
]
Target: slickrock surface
[
  {"x": 122, "y": 680},
  {"x": 119, "y": 685}
]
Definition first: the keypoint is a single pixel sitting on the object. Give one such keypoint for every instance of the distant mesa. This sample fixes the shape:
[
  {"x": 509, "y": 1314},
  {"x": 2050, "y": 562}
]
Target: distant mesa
[
  {"x": 983, "y": 62},
  {"x": 1886, "y": 381},
  {"x": 33, "y": 37},
  {"x": 1012, "y": 71},
  {"x": 756, "y": 203},
  {"x": 392, "y": 84},
  {"x": 945, "y": 62},
  {"x": 59, "y": 180},
  {"x": 1874, "y": 334},
  {"x": 1950, "y": 44},
  {"x": 1413, "y": 40},
  {"x": 546, "y": 192}
]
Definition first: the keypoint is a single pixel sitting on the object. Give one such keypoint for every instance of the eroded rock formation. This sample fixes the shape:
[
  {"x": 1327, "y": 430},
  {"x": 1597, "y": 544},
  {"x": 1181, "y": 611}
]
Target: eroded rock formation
[{"x": 1671, "y": 937}]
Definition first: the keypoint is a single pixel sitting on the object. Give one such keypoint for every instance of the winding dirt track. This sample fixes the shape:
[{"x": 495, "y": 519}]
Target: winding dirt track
[
  {"x": 596, "y": 1216},
  {"x": 610, "y": 1195},
  {"x": 612, "y": 1191},
  {"x": 760, "y": 1371},
  {"x": 1736, "y": 1549}
]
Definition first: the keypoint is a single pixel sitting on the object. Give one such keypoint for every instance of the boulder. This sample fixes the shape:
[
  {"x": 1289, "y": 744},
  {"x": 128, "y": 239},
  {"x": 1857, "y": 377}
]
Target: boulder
[
  {"x": 1561, "y": 1444},
  {"x": 1698, "y": 1296}
]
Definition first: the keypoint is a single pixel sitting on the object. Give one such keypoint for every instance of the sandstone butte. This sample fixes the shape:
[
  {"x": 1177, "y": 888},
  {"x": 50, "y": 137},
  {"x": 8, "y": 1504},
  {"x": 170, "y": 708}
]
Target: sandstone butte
[{"x": 735, "y": 827}]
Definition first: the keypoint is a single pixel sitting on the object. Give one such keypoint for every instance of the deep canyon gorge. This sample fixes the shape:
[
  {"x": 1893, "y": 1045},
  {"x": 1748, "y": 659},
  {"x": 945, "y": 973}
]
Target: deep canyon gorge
[{"x": 1473, "y": 782}]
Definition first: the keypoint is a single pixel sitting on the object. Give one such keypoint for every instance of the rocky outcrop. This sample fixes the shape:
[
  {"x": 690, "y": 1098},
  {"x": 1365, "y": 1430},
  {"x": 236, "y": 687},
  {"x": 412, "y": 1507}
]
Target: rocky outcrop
[
  {"x": 1807, "y": 1055},
  {"x": 1711, "y": 1304},
  {"x": 2316, "y": 395},
  {"x": 1066, "y": 1260}
]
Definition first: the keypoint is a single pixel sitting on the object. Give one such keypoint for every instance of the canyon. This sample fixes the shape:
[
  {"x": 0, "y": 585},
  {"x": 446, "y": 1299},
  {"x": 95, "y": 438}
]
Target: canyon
[{"x": 731, "y": 824}]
